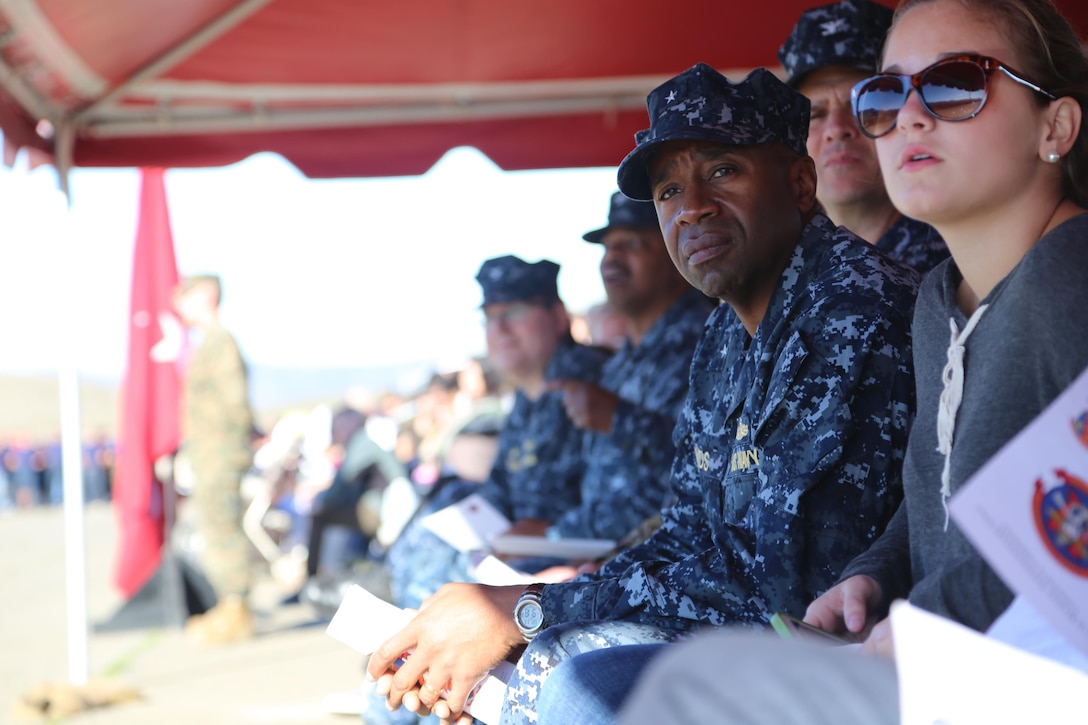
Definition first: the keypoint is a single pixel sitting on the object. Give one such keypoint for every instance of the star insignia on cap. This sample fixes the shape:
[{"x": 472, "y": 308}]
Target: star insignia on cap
[
  {"x": 671, "y": 97},
  {"x": 831, "y": 27}
]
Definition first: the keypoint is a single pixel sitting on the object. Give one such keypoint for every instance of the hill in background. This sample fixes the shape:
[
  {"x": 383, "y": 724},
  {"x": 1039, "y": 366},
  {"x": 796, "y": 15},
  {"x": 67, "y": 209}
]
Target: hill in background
[{"x": 30, "y": 404}]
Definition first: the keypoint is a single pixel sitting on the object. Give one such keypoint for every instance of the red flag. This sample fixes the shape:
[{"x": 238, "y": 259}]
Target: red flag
[{"x": 149, "y": 415}]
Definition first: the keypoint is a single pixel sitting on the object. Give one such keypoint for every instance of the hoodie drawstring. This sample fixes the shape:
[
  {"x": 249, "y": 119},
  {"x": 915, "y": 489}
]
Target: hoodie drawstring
[{"x": 951, "y": 397}]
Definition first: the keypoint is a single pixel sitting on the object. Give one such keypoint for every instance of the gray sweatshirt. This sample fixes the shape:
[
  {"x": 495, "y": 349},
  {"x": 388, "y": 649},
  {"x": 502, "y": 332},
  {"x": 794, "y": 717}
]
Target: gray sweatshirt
[{"x": 1029, "y": 345}]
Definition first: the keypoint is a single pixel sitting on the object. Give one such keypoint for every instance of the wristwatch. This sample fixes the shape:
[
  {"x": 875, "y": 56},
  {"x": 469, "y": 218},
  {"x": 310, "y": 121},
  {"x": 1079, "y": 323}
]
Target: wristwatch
[{"x": 528, "y": 615}]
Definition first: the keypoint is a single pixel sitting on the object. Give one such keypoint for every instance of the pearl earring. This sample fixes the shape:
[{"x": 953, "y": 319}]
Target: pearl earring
[{"x": 1053, "y": 157}]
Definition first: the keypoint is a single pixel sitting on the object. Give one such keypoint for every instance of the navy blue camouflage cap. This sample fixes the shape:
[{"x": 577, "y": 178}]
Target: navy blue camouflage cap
[
  {"x": 626, "y": 213},
  {"x": 701, "y": 104},
  {"x": 512, "y": 279},
  {"x": 848, "y": 33}
]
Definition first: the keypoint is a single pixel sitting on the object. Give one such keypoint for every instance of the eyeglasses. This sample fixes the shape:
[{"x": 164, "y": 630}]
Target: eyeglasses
[
  {"x": 952, "y": 89},
  {"x": 509, "y": 313}
]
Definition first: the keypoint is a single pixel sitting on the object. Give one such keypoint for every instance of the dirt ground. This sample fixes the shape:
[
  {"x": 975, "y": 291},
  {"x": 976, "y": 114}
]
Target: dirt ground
[{"x": 281, "y": 676}]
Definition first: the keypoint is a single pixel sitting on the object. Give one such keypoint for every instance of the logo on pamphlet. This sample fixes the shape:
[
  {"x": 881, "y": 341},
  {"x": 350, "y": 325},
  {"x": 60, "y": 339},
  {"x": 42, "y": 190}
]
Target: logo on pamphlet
[
  {"x": 1061, "y": 517},
  {"x": 1080, "y": 427}
]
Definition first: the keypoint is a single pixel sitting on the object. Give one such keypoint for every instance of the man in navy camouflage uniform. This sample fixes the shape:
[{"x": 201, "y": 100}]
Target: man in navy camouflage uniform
[
  {"x": 539, "y": 465},
  {"x": 831, "y": 48},
  {"x": 789, "y": 448},
  {"x": 629, "y": 417}
]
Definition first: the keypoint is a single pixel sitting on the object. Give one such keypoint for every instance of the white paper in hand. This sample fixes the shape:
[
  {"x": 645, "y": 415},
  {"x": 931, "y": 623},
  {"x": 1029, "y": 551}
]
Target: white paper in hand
[
  {"x": 467, "y": 525},
  {"x": 485, "y": 701},
  {"x": 951, "y": 674},
  {"x": 363, "y": 622},
  {"x": 1023, "y": 627},
  {"x": 488, "y": 569},
  {"x": 1026, "y": 511},
  {"x": 572, "y": 549}
]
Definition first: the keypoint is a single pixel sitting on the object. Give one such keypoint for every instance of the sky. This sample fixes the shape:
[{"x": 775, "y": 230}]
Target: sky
[{"x": 316, "y": 273}]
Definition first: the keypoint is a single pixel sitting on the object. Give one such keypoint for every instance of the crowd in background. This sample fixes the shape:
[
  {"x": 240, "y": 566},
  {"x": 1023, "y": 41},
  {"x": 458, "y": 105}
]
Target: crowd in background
[
  {"x": 446, "y": 429},
  {"x": 31, "y": 471},
  {"x": 416, "y": 426},
  {"x": 300, "y": 450}
]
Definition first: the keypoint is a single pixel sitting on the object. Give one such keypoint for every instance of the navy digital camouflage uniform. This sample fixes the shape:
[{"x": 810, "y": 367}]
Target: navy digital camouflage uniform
[
  {"x": 623, "y": 476},
  {"x": 788, "y": 460},
  {"x": 627, "y": 469},
  {"x": 914, "y": 243},
  {"x": 539, "y": 465},
  {"x": 689, "y": 106},
  {"x": 537, "y": 474},
  {"x": 851, "y": 34}
]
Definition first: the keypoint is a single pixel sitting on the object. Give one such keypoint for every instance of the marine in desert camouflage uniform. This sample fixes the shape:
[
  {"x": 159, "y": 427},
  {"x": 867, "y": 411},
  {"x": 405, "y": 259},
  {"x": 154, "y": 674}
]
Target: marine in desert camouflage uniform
[{"x": 218, "y": 426}]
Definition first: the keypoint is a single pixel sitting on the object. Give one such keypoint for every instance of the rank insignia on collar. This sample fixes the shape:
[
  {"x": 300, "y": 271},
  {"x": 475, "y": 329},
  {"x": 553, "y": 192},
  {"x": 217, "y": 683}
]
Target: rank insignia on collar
[
  {"x": 742, "y": 430},
  {"x": 523, "y": 457}
]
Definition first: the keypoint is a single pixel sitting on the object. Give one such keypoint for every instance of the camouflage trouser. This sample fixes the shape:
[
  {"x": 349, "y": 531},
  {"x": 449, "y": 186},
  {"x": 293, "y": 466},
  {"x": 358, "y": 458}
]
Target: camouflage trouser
[
  {"x": 560, "y": 643},
  {"x": 419, "y": 563},
  {"x": 226, "y": 554}
]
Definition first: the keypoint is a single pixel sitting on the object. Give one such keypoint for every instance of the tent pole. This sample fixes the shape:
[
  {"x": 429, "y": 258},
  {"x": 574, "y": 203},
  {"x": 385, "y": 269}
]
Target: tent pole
[
  {"x": 64, "y": 150},
  {"x": 230, "y": 18}
]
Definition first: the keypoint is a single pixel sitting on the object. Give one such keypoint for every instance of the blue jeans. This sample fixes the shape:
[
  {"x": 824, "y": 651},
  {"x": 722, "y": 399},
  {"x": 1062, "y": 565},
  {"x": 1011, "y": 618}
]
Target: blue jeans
[{"x": 590, "y": 689}]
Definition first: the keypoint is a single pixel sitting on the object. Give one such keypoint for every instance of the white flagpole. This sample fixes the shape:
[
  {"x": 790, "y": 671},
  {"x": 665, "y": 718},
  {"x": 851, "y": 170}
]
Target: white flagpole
[{"x": 75, "y": 554}]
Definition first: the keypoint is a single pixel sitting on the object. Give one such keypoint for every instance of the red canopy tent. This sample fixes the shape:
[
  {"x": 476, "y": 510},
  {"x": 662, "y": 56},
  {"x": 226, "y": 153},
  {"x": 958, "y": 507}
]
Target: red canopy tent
[{"x": 358, "y": 87}]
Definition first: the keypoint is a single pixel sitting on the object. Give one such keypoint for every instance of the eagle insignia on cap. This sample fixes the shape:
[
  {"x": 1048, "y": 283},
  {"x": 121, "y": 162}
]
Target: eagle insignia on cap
[{"x": 831, "y": 27}]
